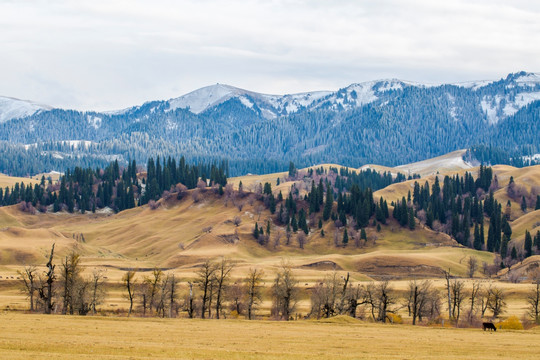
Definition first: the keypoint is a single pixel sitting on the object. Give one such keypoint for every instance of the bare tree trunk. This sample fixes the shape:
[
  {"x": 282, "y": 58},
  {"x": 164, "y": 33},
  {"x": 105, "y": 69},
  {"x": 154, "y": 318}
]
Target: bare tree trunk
[
  {"x": 447, "y": 276},
  {"x": 225, "y": 268},
  {"x": 47, "y": 298},
  {"x": 29, "y": 281},
  {"x": 172, "y": 295},
  {"x": 130, "y": 286},
  {"x": 190, "y": 301}
]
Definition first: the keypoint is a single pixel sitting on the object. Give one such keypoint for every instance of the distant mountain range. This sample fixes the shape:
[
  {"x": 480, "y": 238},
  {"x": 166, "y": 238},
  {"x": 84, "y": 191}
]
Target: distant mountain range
[{"x": 387, "y": 122}]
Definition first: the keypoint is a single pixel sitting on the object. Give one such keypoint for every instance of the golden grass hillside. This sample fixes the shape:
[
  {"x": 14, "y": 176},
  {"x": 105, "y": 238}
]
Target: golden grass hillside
[{"x": 10, "y": 181}]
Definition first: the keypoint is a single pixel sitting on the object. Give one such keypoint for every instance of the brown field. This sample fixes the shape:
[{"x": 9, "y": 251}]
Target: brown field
[{"x": 63, "y": 337}]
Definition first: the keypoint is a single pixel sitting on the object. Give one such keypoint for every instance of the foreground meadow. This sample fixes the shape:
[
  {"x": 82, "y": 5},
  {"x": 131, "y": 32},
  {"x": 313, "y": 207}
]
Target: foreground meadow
[{"x": 25, "y": 336}]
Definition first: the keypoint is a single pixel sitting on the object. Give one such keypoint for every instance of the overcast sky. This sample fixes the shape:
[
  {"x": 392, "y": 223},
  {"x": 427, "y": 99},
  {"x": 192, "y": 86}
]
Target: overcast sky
[{"x": 106, "y": 54}]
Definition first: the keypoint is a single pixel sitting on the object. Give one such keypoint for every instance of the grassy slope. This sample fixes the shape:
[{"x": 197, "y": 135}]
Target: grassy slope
[
  {"x": 172, "y": 237},
  {"x": 11, "y": 181}
]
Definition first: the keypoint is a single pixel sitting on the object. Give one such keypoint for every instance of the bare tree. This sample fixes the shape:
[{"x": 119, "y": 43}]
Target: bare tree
[
  {"x": 301, "y": 238},
  {"x": 497, "y": 301},
  {"x": 447, "y": 276},
  {"x": 172, "y": 294},
  {"x": 29, "y": 277},
  {"x": 285, "y": 291},
  {"x": 237, "y": 220},
  {"x": 472, "y": 266},
  {"x": 253, "y": 291},
  {"x": 533, "y": 299},
  {"x": 380, "y": 297},
  {"x": 69, "y": 276},
  {"x": 162, "y": 295},
  {"x": 129, "y": 283},
  {"x": 222, "y": 276},
  {"x": 458, "y": 295},
  {"x": 288, "y": 236},
  {"x": 154, "y": 286},
  {"x": 473, "y": 299},
  {"x": 277, "y": 237},
  {"x": 189, "y": 303},
  {"x": 419, "y": 299},
  {"x": 46, "y": 285},
  {"x": 97, "y": 290},
  {"x": 205, "y": 280},
  {"x": 324, "y": 297}
]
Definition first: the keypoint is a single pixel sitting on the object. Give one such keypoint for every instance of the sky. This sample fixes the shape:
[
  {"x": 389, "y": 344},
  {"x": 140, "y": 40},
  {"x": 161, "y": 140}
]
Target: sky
[{"x": 108, "y": 54}]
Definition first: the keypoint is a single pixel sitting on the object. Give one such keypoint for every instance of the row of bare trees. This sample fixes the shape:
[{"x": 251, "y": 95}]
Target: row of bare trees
[
  {"x": 212, "y": 292},
  {"x": 335, "y": 295},
  {"x": 70, "y": 292},
  {"x": 207, "y": 295}
]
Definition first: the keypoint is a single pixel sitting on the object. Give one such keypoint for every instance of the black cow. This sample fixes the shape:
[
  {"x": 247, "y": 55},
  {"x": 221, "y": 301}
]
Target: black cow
[{"x": 489, "y": 326}]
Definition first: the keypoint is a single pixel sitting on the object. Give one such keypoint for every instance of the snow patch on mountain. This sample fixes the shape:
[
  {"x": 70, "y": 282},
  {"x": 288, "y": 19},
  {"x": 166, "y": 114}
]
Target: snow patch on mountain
[
  {"x": 11, "y": 108},
  {"x": 93, "y": 120}
]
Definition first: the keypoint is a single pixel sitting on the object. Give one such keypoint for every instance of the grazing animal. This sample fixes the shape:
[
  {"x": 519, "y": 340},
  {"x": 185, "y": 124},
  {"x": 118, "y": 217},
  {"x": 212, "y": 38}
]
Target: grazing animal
[{"x": 489, "y": 326}]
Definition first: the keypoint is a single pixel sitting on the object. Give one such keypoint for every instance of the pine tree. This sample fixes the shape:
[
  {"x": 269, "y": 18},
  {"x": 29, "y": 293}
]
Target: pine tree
[
  {"x": 294, "y": 224},
  {"x": 528, "y": 244},
  {"x": 537, "y": 207},
  {"x": 256, "y": 231},
  {"x": 345, "y": 237},
  {"x": 523, "y": 204},
  {"x": 363, "y": 234},
  {"x": 328, "y": 204},
  {"x": 477, "y": 243},
  {"x": 504, "y": 246},
  {"x": 411, "y": 221},
  {"x": 268, "y": 228},
  {"x": 513, "y": 255},
  {"x": 490, "y": 239}
]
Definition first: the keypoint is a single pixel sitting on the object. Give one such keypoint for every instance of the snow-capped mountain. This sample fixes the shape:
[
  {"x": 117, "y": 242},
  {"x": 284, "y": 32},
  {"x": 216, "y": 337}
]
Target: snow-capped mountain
[
  {"x": 386, "y": 122},
  {"x": 11, "y": 108},
  {"x": 271, "y": 106}
]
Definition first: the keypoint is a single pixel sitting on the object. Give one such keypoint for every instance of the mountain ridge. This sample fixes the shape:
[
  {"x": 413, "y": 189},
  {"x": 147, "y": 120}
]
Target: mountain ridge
[
  {"x": 202, "y": 99},
  {"x": 389, "y": 122}
]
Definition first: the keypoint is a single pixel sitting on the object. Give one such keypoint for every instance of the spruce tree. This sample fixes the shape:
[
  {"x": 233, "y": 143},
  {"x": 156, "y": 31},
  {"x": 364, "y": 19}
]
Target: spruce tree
[
  {"x": 328, "y": 204},
  {"x": 523, "y": 204},
  {"x": 256, "y": 231},
  {"x": 411, "y": 219},
  {"x": 345, "y": 237},
  {"x": 477, "y": 244},
  {"x": 513, "y": 255},
  {"x": 363, "y": 234},
  {"x": 528, "y": 244},
  {"x": 537, "y": 207}
]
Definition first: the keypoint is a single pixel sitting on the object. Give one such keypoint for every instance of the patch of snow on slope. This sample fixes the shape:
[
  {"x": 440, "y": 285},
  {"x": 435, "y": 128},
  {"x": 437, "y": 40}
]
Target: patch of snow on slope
[
  {"x": 489, "y": 106},
  {"x": 448, "y": 162},
  {"x": 389, "y": 85},
  {"x": 11, "y": 108},
  {"x": 474, "y": 85},
  {"x": 246, "y": 102},
  {"x": 529, "y": 80},
  {"x": 94, "y": 121}
]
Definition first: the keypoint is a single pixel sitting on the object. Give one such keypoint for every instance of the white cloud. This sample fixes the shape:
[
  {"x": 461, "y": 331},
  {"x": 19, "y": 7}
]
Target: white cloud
[{"x": 112, "y": 54}]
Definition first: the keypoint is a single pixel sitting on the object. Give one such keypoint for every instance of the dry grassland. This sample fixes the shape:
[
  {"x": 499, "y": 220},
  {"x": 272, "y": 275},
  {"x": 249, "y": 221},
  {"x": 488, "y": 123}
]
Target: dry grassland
[{"x": 63, "y": 337}]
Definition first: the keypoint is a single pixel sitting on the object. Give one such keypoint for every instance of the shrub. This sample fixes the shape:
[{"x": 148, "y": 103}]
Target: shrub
[
  {"x": 512, "y": 323},
  {"x": 394, "y": 318}
]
